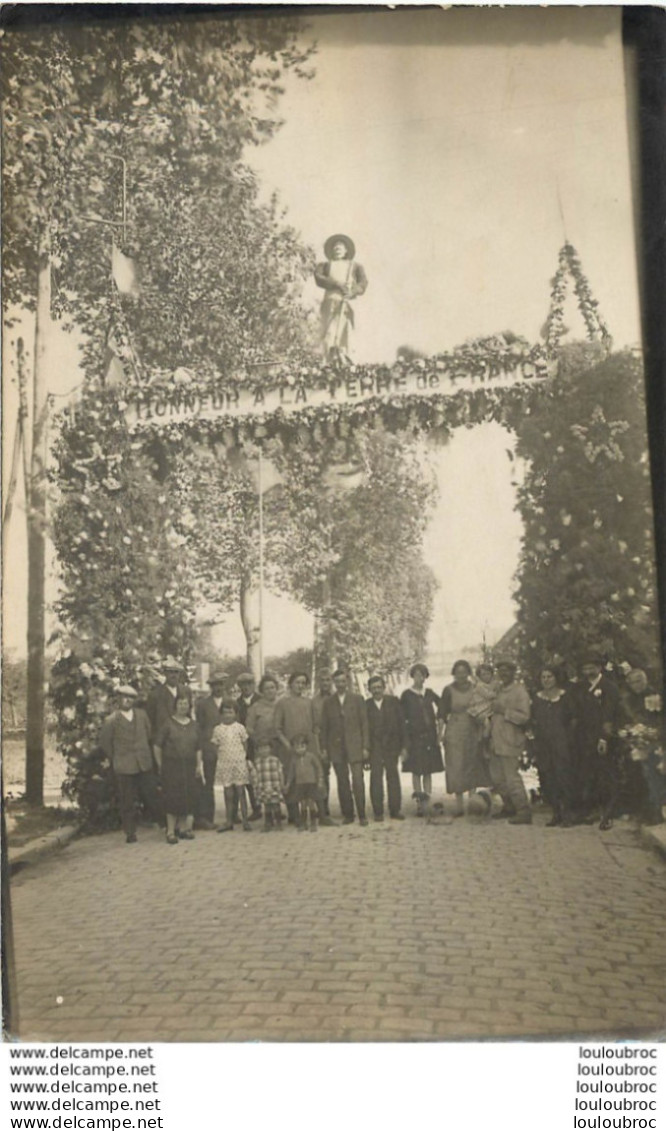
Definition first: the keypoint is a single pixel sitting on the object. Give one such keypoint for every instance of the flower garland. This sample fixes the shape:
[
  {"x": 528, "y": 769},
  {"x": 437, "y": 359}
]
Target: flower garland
[{"x": 483, "y": 359}]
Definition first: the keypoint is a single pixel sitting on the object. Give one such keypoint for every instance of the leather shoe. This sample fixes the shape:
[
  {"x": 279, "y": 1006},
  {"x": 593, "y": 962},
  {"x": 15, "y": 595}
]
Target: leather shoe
[
  {"x": 328, "y": 822},
  {"x": 363, "y": 821},
  {"x": 378, "y": 817},
  {"x": 131, "y": 839},
  {"x": 348, "y": 820},
  {"x": 397, "y": 816},
  {"x": 203, "y": 825}
]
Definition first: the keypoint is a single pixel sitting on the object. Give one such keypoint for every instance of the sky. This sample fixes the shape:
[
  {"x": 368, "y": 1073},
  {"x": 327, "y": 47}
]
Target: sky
[{"x": 458, "y": 149}]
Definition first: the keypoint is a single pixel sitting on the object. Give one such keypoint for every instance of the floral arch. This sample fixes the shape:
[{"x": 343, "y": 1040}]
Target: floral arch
[{"x": 126, "y": 460}]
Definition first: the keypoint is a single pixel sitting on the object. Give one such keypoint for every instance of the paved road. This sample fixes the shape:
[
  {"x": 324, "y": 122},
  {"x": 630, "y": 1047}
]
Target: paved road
[{"x": 400, "y": 931}]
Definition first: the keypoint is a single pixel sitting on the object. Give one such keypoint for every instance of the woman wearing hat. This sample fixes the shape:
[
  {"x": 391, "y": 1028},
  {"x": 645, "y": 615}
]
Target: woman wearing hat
[
  {"x": 343, "y": 279},
  {"x": 424, "y": 757}
]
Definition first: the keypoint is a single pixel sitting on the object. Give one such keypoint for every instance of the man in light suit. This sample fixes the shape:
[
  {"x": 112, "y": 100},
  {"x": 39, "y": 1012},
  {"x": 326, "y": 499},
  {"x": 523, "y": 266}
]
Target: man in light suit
[
  {"x": 344, "y": 740},
  {"x": 208, "y": 716},
  {"x": 386, "y": 727},
  {"x": 510, "y": 715},
  {"x": 125, "y": 738}
]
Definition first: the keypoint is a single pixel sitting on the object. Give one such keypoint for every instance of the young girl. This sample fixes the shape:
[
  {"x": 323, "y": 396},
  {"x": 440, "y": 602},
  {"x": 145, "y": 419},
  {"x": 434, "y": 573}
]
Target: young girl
[
  {"x": 305, "y": 779},
  {"x": 230, "y": 738},
  {"x": 269, "y": 785}
]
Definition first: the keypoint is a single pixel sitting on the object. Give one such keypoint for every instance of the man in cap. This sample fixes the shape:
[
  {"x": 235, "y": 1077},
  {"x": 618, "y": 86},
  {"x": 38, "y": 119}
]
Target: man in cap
[
  {"x": 597, "y": 714},
  {"x": 248, "y": 696},
  {"x": 510, "y": 715},
  {"x": 125, "y": 738},
  {"x": 208, "y": 714},
  {"x": 344, "y": 280},
  {"x": 161, "y": 701}
]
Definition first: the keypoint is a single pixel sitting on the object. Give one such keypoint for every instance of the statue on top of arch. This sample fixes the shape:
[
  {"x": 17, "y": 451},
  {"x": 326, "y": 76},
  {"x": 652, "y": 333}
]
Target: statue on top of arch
[{"x": 343, "y": 280}]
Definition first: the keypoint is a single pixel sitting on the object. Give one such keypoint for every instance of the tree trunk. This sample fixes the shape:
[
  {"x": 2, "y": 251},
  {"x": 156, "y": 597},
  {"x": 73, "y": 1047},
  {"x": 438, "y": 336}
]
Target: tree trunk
[
  {"x": 36, "y": 511},
  {"x": 249, "y": 609}
]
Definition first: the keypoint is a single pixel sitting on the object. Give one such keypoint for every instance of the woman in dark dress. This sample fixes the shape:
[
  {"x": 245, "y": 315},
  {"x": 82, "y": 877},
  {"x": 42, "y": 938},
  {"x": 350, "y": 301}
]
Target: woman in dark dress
[
  {"x": 424, "y": 757},
  {"x": 552, "y": 719},
  {"x": 178, "y": 754}
]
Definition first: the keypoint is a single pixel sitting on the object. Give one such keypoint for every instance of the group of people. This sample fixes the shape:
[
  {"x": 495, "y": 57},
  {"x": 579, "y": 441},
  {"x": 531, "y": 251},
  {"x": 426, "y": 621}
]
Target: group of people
[{"x": 267, "y": 751}]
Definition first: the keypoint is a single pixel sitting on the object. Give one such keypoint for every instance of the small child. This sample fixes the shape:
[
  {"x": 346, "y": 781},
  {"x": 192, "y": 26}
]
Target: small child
[
  {"x": 230, "y": 738},
  {"x": 269, "y": 785},
  {"x": 481, "y": 704},
  {"x": 307, "y": 778}
]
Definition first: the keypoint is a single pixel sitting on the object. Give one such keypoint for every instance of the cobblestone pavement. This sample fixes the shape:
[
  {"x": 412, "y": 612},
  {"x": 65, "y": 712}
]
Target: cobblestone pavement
[{"x": 398, "y": 931}]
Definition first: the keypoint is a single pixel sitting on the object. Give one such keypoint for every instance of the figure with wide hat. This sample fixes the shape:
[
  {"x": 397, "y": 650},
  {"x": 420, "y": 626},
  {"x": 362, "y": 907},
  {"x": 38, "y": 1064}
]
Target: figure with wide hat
[{"x": 343, "y": 280}]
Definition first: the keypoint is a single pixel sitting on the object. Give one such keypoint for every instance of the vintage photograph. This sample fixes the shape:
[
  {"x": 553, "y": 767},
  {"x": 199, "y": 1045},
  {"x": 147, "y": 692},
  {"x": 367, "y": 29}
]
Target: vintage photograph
[{"x": 327, "y": 510}]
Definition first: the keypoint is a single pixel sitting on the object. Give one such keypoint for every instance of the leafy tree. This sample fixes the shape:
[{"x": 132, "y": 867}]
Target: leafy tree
[
  {"x": 166, "y": 106},
  {"x": 352, "y": 554}
]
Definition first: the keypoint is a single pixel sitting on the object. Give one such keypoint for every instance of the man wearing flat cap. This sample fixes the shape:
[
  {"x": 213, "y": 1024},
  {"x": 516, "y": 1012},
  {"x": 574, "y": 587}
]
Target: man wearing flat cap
[
  {"x": 343, "y": 280},
  {"x": 125, "y": 738},
  {"x": 247, "y": 697},
  {"x": 161, "y": 701},
  {"x": 597, "y": 716},
  {"x": 208, "y": 713},
  {"x": 510, "y": 715}
]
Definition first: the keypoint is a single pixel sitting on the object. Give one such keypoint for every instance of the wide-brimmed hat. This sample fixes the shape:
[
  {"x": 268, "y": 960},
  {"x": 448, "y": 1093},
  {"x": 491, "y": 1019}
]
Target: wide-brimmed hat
[
  {"x": 218, "y": 675},
  {"x": 171, "y": 665},
  {"x": 127, "y": 689},
  {"x": 331, "y": 242}
]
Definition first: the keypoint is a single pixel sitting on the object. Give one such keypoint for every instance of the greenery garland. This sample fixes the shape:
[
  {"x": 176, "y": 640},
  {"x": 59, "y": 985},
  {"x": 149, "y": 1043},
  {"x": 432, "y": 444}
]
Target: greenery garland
[{"x": 569, "y": 265}]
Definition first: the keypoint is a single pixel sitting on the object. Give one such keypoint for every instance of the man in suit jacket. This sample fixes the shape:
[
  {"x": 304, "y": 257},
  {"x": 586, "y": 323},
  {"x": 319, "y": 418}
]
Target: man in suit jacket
[
  {"x": 208, "y": 715},
  {"x": 247, "y": 697},
  {"x": 344, "y": 742},
  {"x": 386, "y": 730},
  {"x": 125, "y": 738},
  {"x": 596, "y": 719},
  {"x": 161, "y": 701}
]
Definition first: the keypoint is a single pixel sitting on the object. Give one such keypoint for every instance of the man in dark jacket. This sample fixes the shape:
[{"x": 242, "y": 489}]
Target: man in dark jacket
[
  {"x": 247, "y": 697},
  {"x": 344, "y": 741},
  {"x": 386, "y": 730},
  {"x": 161, "y": 701},
  {"x": 597, "y": 715}
]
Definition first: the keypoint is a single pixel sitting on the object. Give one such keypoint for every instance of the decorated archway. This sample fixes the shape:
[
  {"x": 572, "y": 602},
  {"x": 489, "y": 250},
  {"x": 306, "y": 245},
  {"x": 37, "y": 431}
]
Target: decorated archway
[{"x": 154, "y": 475}]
